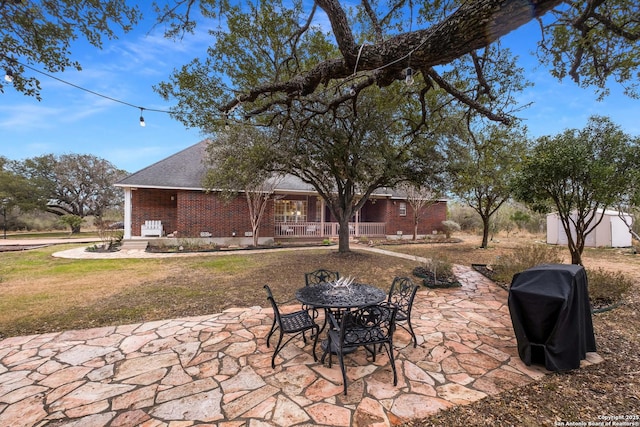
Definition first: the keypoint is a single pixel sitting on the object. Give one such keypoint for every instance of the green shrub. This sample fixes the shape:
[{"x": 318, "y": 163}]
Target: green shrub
[
  {"x": 606, "y": 285},
  {"x": 450, "y": 227},
  {"x": 522, "y": 258}
]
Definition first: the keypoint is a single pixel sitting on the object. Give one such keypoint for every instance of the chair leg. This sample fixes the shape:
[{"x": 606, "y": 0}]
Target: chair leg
[
  {"x": 392, "y": 361},
  {"x": 276, "y": 350},
  {"x": 413, "y": 334},
  {"x": 273, "y": 329},
  {"x": 327, "y": 350},
  {"x": 315, "y": 343},
  {"x": 344, "y": 371}
]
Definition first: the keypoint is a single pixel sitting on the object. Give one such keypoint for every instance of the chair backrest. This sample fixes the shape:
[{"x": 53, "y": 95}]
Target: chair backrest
[
  {"x": 402, "y": 293},
  {"x": 274, "y": 305},
  {"x": 320, "y": 276},
  {"x": 373, "y": 324}
]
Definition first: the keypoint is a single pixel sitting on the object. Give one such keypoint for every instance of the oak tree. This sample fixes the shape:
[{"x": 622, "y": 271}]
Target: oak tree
[
  {"x": 77, "y": 185},
  {"x": 325, "y": 45}
]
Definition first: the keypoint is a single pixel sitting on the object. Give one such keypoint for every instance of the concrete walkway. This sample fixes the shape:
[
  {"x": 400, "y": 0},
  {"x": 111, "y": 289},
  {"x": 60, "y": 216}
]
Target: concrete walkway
[{"x": 215, "y": 370}]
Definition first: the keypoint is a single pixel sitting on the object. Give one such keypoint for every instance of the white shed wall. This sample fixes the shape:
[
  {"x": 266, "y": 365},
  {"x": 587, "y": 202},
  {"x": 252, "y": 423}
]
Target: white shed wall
[{"x": 611, "y": 232}]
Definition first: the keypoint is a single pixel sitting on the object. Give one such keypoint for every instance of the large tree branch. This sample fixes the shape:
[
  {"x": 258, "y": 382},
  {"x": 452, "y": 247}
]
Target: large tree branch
[
  {"x": 377, "y": 29},
  {"x": 341, "y": 29},
  {"x": 474, "y": 25}
]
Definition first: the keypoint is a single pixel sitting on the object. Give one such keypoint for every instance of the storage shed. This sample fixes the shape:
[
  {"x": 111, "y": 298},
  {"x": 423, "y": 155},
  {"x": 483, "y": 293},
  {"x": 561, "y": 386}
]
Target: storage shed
[{"x": 611, "y": 232}]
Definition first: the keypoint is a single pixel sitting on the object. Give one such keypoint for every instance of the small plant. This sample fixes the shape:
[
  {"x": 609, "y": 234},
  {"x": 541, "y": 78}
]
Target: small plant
[
  {"x": 326, "y": 242},
  {"x": 73, "y": 221},
  {"x": 606, "y": 286},
  {"x": 522, "y": 258},
  {"x": 111, "y": 238},
  {"x": 437, "y": 273},
  {"x": 450, "y": 227}
]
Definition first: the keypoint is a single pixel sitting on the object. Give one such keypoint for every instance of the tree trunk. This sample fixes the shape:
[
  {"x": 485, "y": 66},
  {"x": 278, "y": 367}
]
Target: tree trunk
[
  {"x": 343, "y": 236},
  {"x": 576, "y": 256},
  {"x": 485, "y": 232},
  {"x": 75, "y": 229},
  {"x": 256, "y": 231}
]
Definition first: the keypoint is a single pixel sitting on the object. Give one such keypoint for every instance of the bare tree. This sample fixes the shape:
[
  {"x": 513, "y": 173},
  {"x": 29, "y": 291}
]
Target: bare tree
[
  {"x": 419, "y": 198},
  {"x": 258, "y": 199}
]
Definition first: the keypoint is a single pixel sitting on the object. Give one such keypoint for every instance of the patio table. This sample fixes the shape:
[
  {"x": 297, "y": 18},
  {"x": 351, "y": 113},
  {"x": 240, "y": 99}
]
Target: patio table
[
  {"x": 328, "y": 296},
  {"x": 338, "y": 300}
]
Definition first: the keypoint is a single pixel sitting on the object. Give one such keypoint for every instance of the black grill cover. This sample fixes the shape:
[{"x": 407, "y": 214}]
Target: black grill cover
[{"x": 551, "y": 316}]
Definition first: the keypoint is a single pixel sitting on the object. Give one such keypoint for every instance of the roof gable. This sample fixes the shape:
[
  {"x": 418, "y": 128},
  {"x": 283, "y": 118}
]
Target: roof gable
[{"x": 183, "y": 170}]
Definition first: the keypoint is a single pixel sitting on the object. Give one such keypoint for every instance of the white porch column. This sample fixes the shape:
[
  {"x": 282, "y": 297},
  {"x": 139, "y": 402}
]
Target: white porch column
[
  {"x": 127, "y": 212},
  {"x": 322, "y": 208}
]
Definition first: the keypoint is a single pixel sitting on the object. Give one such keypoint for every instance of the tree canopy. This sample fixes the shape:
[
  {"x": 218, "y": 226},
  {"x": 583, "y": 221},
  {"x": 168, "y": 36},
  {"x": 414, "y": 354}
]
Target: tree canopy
[
  {"x": 375, "y": 43},
  {"x": 42, "y": 32},
  {"x": 483, "y": 164},
  {"x": 72, "y": 184},
  {"x": 580, "y": 173}
]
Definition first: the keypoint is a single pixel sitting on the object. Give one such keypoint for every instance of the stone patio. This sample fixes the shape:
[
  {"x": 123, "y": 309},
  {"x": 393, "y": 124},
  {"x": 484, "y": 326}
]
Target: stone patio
[{"x": 215, "y": 370}]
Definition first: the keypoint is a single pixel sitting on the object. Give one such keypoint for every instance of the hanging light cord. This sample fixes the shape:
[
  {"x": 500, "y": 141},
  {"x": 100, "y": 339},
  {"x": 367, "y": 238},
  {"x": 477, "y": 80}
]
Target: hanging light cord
[{"x": 87, "y": 90}]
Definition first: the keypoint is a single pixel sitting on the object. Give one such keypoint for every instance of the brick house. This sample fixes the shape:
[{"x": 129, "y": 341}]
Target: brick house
[{"x": 171, "y": 192}]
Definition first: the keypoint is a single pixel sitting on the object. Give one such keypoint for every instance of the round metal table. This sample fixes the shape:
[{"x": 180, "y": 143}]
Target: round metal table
[
  {"x": 338, "y": 300},
  {"x": 326, "y": 295}
]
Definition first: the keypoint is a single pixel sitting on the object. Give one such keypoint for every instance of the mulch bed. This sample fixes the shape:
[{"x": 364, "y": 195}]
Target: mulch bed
[{"x": 430, "y": 281}]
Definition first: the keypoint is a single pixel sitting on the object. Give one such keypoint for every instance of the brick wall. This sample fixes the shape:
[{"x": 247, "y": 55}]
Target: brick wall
[
  {"x": 430, "y": 220},
  {"x": 192, "y": 212},
  {"x": 151, "y": 204}
]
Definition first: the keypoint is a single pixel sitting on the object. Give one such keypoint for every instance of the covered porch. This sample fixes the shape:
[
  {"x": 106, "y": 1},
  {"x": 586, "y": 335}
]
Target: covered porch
[{"x": 327, "y": 229}]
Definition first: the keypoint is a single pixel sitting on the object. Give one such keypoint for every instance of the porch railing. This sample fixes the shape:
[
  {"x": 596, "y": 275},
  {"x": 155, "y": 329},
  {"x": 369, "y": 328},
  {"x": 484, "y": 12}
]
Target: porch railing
[{"x": 328, "y": 229}]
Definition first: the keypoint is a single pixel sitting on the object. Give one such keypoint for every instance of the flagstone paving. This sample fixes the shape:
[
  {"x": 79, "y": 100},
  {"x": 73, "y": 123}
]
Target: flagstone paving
[{"x": 216, "y": 370}]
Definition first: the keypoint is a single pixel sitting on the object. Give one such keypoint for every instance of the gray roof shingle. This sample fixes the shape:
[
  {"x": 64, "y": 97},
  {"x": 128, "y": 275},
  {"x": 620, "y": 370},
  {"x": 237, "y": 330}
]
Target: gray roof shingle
[
  {"x": 183, "y": 170},
  {"x": 186, "y": 170}
]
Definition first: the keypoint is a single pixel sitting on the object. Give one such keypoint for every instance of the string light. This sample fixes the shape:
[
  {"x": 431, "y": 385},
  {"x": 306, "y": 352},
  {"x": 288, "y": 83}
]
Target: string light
[
  {"x": 9, "y": 76},
  {"x": 408, "y": 79}
]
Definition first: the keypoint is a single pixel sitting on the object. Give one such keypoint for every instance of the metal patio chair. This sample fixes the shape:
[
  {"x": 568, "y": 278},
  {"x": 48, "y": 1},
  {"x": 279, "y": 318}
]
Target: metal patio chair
[
  {"x": 401, "y": 294},
  {"x": 370, "y": 327},
  {"x": 292, "y": 324}
]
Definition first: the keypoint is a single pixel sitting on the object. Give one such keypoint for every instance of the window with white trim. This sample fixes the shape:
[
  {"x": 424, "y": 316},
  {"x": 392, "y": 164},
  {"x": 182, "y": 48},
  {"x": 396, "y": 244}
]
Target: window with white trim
[
  {"x": 291, "y": 211},
  {"x": 402, "y": 209}
]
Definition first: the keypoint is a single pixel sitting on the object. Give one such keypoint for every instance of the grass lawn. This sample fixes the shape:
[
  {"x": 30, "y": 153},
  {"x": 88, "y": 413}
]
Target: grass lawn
[{"x": 40, "y": 293}]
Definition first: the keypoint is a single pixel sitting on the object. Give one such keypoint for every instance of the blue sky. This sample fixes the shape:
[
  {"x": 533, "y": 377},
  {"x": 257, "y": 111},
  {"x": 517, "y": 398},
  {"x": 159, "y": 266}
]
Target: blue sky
[{"x": 69, "y": 120}]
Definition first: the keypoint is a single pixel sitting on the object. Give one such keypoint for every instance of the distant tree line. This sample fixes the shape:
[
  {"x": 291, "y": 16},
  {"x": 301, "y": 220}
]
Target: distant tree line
[{"x": 71, "y": 187}]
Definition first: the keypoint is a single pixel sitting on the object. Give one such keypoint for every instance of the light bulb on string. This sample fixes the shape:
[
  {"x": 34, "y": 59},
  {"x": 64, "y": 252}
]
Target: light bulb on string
[
  {"x": 8, "y": 75},
  {"x": 142, "y": 123},
  {"x": 408, "y": 79}
]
